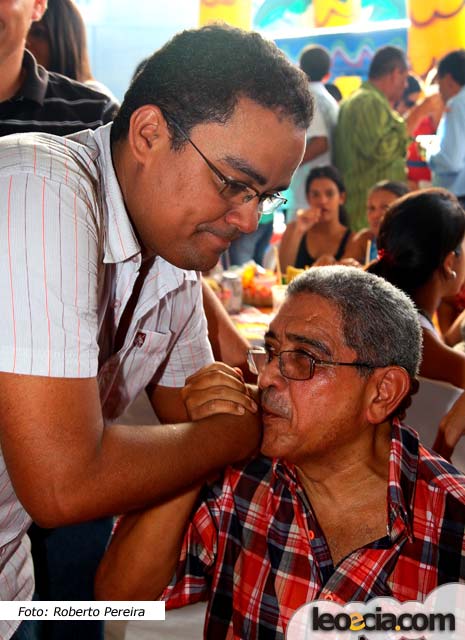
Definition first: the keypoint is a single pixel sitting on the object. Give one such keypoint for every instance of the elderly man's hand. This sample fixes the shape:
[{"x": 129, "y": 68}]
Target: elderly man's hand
[{"x": 217, "y": 389}]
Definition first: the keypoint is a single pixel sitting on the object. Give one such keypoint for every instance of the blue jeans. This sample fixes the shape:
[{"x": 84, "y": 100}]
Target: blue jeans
[{"x": 65, "y": 563}]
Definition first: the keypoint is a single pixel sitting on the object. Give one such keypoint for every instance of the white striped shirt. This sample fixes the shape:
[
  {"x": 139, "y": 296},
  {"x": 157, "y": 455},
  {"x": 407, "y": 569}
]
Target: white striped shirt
[{"x": 69, "y": 259}]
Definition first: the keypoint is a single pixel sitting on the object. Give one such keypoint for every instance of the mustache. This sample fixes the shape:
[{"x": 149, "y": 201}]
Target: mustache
[
  {"x": 271, "y": 402},
  {"x": 229, "y": 234}
]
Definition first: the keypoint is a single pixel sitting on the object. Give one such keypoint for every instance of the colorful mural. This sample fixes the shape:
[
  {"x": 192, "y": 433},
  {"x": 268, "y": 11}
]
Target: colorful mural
[
  {"x": 296, "y": 14},
  {"x": 234, "y": 12},
  {"x": 335, "y": 13},
  {"x": 351, "y": 53},
  {"x": 438, "y": 26}
]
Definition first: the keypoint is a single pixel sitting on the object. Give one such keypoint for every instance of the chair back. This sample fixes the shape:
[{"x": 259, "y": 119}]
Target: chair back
[{"x": 429, "y": 405}]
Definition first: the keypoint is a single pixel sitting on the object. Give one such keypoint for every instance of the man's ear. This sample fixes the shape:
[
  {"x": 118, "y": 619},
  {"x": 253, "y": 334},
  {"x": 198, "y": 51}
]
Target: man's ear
[
  {"x": 38, "y": 10},
  {"x": 388, "y": 387},
  {"x": 147, "y": 128}
]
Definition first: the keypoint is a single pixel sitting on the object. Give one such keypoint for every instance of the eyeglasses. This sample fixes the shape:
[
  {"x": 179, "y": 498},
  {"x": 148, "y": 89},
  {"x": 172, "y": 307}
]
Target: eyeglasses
[
  {"x": 234, "y": 190},
  {"x": 294, "y": 364}
]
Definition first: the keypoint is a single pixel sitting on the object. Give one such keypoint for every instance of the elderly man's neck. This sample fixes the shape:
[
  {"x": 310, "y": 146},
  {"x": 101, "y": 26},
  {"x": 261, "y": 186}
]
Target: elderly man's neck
[
  {"x": 348, "y": 493},
  {"x": 335, "y": 475},
  {"x": 11, "y": 75}
]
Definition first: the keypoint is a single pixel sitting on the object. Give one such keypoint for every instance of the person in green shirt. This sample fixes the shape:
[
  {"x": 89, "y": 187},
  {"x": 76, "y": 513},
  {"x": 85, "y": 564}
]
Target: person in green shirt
[{"x": 371, "y": 137}]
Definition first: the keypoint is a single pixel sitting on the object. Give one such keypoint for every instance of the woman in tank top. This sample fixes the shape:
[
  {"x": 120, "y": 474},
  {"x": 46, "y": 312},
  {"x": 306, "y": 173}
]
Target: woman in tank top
[{"x": 320, "y": 235}]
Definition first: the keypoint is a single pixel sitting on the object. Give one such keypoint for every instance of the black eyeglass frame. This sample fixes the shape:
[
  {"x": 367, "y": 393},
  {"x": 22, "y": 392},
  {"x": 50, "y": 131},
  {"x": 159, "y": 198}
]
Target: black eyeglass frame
[
  {"x": 276, "y": 200},
  {"x": 312, "y": 362}
]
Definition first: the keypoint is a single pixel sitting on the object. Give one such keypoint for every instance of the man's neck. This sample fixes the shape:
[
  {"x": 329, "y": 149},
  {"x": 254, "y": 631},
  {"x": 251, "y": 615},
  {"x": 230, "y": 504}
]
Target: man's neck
[
  {"x": 383, "y": 85},
  {"x": 338, "y": 476},
  {"x": 348, "y": 497},
  {"x": 11, "y": 75}
]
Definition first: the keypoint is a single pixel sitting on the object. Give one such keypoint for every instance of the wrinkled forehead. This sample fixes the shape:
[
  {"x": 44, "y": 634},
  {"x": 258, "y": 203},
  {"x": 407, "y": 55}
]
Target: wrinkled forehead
[{"x": 307, "y": 318}]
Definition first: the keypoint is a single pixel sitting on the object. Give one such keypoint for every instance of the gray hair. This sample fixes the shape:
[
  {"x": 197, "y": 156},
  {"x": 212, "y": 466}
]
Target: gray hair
[{"x": 380, "y": 322}]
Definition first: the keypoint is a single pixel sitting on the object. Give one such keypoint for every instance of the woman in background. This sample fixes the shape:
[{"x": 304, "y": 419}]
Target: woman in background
[
  {"x": 380, "y": 197},
  {"x": 320, "y": 235},
  {"x": 59, "y": 43},
  {"x": 421, "y": 251}
]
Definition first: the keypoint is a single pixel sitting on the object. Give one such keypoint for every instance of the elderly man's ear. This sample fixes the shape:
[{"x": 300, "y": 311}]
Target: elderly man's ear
[{"x": 388, "y": 387}]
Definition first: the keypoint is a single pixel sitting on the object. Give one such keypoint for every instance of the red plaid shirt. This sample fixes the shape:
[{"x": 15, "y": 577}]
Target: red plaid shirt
[{"x": 255, "y": 551}]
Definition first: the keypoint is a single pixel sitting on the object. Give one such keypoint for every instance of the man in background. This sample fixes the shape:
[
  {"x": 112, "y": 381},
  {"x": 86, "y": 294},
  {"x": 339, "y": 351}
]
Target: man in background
[
  {"x": 315, "y": 62},
  {"x": 447, "y": 158},
  {"x": 371, "y": 138},
  {"x": 33, "y": 99}
]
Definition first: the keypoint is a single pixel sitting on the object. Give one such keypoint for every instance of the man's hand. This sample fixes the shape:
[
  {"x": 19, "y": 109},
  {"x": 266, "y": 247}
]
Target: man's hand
[{"x": 217, "y": 389}]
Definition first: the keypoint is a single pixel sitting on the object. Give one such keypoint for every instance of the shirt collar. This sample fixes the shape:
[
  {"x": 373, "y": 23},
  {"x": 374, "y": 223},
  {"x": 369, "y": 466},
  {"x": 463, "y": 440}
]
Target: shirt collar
[
  {"x": 121, "y": 242},
  {"x": 403, "y": 463},
  {"x": 371, "y": 87},
  {"x": 120, "y": 238},
  {"x": 35, "y": 82},
  {"x": 403, "y": 467}
]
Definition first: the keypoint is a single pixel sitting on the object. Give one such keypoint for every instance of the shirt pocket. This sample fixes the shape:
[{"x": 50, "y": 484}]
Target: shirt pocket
[{"x": 127, "y": 373}]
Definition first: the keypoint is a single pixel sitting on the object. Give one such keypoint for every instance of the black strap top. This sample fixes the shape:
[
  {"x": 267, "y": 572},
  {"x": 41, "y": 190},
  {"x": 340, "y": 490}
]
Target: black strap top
[{"x": 304, "y": 259}]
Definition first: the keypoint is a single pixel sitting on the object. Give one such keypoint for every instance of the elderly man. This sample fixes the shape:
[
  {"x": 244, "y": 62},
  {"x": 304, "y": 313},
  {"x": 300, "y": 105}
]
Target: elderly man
[
  {"x": 102, "y": 236},
  {"x": 343, "y": 504}
]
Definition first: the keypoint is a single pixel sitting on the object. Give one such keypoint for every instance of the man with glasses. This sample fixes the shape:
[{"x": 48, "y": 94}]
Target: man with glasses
[
  {"x": 343, "y": 504},
  {"x": 103, "y": 235}
]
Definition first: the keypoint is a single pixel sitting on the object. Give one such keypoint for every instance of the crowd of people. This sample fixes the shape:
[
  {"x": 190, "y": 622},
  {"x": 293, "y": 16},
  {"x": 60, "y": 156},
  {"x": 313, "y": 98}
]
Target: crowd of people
[{"x": 277, "y": 475}]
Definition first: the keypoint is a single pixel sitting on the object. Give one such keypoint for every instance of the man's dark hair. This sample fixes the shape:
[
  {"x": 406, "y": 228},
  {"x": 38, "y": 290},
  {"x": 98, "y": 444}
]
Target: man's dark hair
[
  {"x": 334, "y": 91},
  {"x": 385, "y": 61},
  {"x": 454, "y": 64},
  {"x": 200, "y": 75},
  {"x": 315, "y": 61}
]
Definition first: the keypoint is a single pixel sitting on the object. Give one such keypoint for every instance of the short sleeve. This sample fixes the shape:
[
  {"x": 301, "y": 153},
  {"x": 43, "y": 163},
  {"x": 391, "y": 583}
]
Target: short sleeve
[
  {"x": 192, "y": 580},
  {"x": 48, "y": 278}
]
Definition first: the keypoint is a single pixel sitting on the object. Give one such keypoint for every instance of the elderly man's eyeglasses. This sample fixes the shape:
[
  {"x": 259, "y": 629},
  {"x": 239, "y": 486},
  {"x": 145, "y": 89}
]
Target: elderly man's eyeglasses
[
  {"x": 234, "y": 190},
  {"x": 294, "y": 364}
]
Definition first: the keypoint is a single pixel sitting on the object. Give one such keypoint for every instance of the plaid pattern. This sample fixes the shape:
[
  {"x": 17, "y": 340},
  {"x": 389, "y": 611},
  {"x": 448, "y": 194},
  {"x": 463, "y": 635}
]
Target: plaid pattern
[{"x": 255, "y": 551}]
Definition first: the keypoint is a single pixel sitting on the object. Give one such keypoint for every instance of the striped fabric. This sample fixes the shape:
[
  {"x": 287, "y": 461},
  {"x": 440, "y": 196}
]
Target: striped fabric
[
  {"x": 69, "y": 259},
  {"x": 51, "y": 103},
  {"x": 255, "y": 550},
  {"x": 370, "y": 145}
]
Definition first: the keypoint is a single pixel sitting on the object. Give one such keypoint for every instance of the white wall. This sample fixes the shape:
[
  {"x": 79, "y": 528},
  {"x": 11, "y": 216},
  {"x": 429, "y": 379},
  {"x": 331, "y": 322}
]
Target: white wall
[{"x": 122, "y": 32}]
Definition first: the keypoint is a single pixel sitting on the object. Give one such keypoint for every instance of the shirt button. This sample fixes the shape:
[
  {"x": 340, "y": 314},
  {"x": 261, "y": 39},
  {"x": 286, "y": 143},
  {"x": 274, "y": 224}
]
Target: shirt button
[
  {"x": 135, "y": 258},
  {"x": 139, "y": 339},
  {"x": 116, "y": 304},
  {"x": 311, "y": 535},
  {"x": 329, "y": 596}
]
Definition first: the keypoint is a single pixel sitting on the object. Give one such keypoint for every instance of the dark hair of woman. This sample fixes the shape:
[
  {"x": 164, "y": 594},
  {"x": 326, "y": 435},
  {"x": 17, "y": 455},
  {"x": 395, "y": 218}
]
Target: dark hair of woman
[
  {"x": 418, "y": 231},
  {"x": 331, "y": 173},
  {"x": 62, "y": 29},
  {"x": 396, "y": 187}
]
